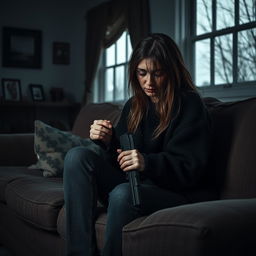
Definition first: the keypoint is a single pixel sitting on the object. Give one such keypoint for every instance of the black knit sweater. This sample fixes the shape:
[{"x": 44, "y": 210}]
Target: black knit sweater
[{"x": 176, "y": 159}]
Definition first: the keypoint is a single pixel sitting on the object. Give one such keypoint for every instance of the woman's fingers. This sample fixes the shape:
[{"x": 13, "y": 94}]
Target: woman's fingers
[
  {"x": 130, "y": 160},
  {"x": 129, "y": 165},
  {"x": 101, "y": 126},
  {"x": 125, "y": 156},
  {"x": 102, "y": 123},
  {"x": 101, "y": 129}
]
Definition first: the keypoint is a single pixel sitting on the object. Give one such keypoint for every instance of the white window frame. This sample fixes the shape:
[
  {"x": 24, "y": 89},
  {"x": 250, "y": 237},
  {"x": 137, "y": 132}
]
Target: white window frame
[
  {"x": 186, "y": 38},
  {"x": 99, "y": 83}
]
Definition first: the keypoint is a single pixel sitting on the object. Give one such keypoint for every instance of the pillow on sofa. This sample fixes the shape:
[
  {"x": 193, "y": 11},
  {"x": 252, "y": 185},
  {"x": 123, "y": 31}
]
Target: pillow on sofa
[{"x": 51, "y": 146}]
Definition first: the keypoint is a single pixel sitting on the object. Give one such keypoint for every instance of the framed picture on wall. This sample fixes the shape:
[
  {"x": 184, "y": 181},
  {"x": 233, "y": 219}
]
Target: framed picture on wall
[
  {"x": 11, "y": 89},
  {"x": 61, "y": 53},
  {"x": 37, "y": 92},
  {"x": 22, "y": 48}
]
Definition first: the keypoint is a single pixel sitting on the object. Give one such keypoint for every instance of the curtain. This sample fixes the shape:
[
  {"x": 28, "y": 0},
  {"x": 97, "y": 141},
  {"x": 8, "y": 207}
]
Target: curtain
[
  {"x": 96, "y": 25},
  {"x": 105, "y": 24},
  {"x": 116, "y": 22},
  {"x": 138, "y": 20}
]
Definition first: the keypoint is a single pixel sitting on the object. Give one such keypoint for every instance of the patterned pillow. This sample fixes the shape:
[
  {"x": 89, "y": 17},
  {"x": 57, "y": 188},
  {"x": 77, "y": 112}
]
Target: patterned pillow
[{"x": 51, "y": 146}]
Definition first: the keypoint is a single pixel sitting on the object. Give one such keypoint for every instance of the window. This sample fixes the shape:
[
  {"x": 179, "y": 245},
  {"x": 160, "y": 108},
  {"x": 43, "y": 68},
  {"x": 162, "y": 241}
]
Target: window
[
  {"x": 224, "y": 42},
  {"x": 111, "y": 82}
]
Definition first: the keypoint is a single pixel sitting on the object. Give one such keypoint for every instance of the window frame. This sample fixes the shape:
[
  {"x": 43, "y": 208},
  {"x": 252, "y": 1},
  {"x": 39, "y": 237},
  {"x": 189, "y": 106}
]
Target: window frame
[
  {"x": 235, "y": 90},
  {"x": 99, "y": 83}
]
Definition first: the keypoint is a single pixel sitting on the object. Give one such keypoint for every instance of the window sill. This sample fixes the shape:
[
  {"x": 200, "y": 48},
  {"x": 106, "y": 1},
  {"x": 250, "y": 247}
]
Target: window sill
[{"x": 235, "y": 92}]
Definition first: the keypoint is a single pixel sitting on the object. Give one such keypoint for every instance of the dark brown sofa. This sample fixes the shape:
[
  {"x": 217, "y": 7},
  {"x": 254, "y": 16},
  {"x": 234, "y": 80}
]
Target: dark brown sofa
[{"x": 31, "y": 206}]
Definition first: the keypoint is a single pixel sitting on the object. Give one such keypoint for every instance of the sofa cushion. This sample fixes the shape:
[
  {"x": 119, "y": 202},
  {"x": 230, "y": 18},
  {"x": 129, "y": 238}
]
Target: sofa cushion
[
  {"x": 240, "y": 180},
  {"x": 93, "y": 111},
  {"x": 51, "y": 146},
  {"x": 100, "y": 227},
  {"x": 17, "y": 149},
  {"x": 36, "y": 199},
  {"x": 11, "y": 173},
  {"x": 233, "y": 160},
  {"x": 222, "y": 227}
]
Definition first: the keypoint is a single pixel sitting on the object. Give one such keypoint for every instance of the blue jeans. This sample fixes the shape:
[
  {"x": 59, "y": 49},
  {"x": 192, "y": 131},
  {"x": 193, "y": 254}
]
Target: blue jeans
[{"x": 89, "y": 175}]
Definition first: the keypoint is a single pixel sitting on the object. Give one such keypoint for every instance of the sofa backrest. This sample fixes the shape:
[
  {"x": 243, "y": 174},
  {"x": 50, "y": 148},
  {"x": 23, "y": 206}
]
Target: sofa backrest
[
  {"x": 93, "y": 111},
  {"x": 232, "y": 164},
  {"x": 233, "y": 156}
]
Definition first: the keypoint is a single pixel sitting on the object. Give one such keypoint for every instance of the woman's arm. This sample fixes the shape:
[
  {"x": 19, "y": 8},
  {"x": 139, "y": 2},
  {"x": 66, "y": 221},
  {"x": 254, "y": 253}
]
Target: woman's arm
[{"x": 186, "y": 149}]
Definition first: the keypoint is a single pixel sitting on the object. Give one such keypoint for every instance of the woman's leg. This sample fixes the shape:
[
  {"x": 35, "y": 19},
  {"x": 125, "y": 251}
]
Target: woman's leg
[
  {"x": 121, "y": 211},
  {"x": 85, "y": 170}
]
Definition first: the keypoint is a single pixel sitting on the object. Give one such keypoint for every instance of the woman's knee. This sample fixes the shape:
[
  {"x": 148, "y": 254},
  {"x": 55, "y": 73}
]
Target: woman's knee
[
  {"x": 120, "y": 195},
  {"x": 74, "y": 155},
  {"x": 76, "y": 158},
  {"x": 80, "y": 153}
]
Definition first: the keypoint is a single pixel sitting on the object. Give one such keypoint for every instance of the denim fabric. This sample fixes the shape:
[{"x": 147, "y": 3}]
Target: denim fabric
[{"x": 89, "y": 175}]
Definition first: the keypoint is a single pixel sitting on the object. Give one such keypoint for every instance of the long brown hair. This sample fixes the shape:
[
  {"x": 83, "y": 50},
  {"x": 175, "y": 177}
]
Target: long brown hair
[{"x": 160, "y": 49}]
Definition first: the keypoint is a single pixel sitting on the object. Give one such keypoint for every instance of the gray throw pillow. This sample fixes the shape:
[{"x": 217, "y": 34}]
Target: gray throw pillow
[{"x": 51, "y": 146}]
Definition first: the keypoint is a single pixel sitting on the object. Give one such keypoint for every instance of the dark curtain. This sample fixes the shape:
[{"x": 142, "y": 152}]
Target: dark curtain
[
  {"x": 138, "y": 20},
  {"x": 96, "y": 25},
  {"x": 105, "y": 24}
]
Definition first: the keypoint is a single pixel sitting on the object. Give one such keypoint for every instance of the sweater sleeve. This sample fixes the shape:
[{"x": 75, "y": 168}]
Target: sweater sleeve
[
  {"x": 121, "y": 126},
  {"x": 186, "y": 148}
]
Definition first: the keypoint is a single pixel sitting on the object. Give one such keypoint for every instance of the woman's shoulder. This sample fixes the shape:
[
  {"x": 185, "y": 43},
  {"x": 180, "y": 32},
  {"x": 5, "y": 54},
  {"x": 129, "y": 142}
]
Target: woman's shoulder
[
  {"x": 127, "y": 105},
  {"x": 191, "y": 103},
  {"x": 191, "y": 97}
]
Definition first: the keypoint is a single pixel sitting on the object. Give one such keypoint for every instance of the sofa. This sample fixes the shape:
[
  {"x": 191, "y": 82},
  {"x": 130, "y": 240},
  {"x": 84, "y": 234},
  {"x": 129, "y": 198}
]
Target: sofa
[{"x": 32, "y": 216}]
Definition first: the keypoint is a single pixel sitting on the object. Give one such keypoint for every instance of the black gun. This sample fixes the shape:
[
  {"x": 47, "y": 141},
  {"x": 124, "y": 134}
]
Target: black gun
[{"x": 127, "y": 143}]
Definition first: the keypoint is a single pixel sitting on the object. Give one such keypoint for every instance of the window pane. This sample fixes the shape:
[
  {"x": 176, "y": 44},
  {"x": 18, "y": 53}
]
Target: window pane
[
  {"x": 247, "y": 55},
  {"x": 247, "y": 10},
  {"x": 223, "y": 60},
  {"x": 225, "y": 15},
  {"x": 109, "y": 84},
  {"x": 110, "y": 55},
  {"x": 203, "y": 62},
  {"x": 129, "y": 50},
  {"x": 121, "y": 49},
  {"x": 204, "y": 16},
  {"x": 119, "y": 92}
]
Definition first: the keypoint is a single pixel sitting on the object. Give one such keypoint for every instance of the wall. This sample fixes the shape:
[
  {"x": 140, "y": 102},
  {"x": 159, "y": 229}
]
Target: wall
[
  {"x": 161, "y": 16},
  {"x": 59, "y": 21},
  {"x": 63, "y": 20}
]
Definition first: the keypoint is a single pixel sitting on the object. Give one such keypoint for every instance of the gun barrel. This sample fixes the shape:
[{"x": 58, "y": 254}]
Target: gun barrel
[
  {"x": 134, "y": 183},
  {"x": 127, "y": 143}
]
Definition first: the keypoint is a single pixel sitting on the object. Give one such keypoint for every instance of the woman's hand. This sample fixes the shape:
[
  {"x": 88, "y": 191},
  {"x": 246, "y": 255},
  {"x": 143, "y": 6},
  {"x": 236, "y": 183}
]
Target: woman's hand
[
  {"x": 130, "y": 160},
  {"x": 101, "y": 130}
]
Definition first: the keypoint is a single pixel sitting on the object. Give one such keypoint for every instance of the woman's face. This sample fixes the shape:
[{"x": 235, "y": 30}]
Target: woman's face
[{"x": 151, "y": 78}]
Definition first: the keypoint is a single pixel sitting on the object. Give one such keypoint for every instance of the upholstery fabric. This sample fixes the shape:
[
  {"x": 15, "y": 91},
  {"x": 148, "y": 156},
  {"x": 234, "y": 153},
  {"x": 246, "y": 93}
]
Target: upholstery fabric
[
  {"x": 51, "y": 146},
  {"x": 222, "y": 227},
  {"x": 9, "y": 174},
  {"x": 233, "y": 160},
  {"x": 36, "y": 199},
  {"x": 25, "y": 240},
  {"x": 91, "y": 112},
  {"x": 17, "y": 149}
]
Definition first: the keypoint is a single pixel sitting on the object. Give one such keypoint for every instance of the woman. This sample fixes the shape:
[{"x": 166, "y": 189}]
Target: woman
[{"x": 171, "y": 130}]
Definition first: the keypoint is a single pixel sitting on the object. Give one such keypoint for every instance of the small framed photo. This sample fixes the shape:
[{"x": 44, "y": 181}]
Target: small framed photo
[
  {"x": 37, "y": 92},
  {"x": 11, "y": 89},
  {"x": 61, "y": 53}
]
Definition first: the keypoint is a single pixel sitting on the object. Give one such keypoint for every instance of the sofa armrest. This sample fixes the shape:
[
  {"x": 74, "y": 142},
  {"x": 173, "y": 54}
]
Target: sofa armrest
[
  {"x": 17, "y": 149},
  {"x": 223, "y": 227}
]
